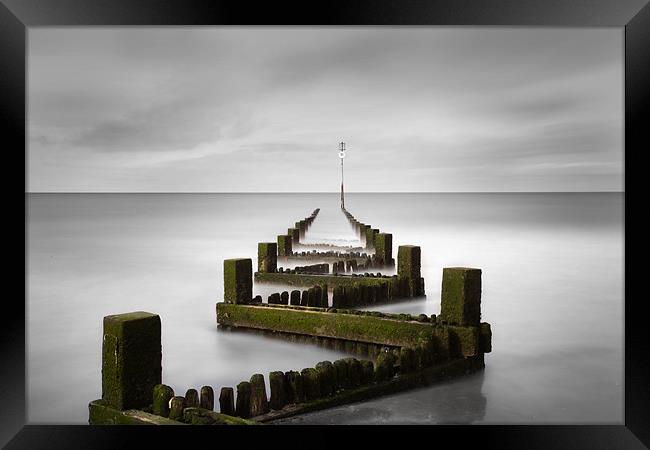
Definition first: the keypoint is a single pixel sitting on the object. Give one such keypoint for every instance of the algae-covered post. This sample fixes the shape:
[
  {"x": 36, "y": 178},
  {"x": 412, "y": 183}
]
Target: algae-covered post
[
  {"x": 267, "y": 257},
  {"x": 461, "y": 296},
  {"x": 370, "y": 237},
  {"x": 284, "y": 245},
  {"x": 238, "y": 280},
  {"x": 259, "y": 402},
  {"x": 162, "y": 395},
  {"x": 131, "y": 359},
  {"x": 295, "y": 235},
  {"x": 384, "y": 249},
  {"x": 227, "y": 401},
  {"x": 207, "y": 398},
  {"x": 408, "y": 269}
]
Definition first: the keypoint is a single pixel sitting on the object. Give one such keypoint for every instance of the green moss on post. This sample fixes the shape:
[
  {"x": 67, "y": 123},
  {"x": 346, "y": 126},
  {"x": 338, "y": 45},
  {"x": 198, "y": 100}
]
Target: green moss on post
[
  {"x": 243, "y": 408},
  {"x": 284, "y": 245},
  {"x": 207, "y": 398},
  {"x": 294, "y": 387},
  {"x": 295, "y": 235},
  {"x": 227, "y": 401},
  {"x": 408, "y": 268},
  {"x": 176, "y": 405},
  {"x": 267, "y": 257},
  {"x": 326, "y": 378},
  {"x": 278, "y": 390},
  {"x": 301, "y": 228},
  {"x": 238, "y": 280},
  {"x": 371, "y": 233},
  {"x": 191, "y": 398},
  {"x": 131, "y": 359},
  {"x": 324, "y": 300},
  {"x": 295, "y": 298},
  {"x": 384, "y": 247},
  {"x": 461, "y": 296},
  {"x": 162, "y": 394},
  {"x": 341, "y": 369},
  {"x": 311, "y": 297},
  {"x": 463, "y": 341},
  {"x": 485, "y": 338},
  {"x": 311, "y": 384},
  {"x": 338, "y": 325},
  {"x": 259, "y": 400},
  {"x": 318, "y": 295}
]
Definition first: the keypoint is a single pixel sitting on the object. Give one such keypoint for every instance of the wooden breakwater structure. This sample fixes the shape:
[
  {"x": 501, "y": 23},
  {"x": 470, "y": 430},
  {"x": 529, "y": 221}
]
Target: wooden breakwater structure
[{"x": 396, "y": 351}]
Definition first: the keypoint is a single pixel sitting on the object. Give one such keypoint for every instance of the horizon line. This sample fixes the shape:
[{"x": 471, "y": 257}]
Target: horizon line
[{"x": 324, "y": 192}]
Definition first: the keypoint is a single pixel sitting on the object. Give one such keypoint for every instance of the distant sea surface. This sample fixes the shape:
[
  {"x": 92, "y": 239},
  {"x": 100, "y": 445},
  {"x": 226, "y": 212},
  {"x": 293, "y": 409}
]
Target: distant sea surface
[{"x": 552, "y": 291}]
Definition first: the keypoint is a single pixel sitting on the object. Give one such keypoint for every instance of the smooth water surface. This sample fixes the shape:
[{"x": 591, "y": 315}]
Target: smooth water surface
[{"x": 552, "y": 291}]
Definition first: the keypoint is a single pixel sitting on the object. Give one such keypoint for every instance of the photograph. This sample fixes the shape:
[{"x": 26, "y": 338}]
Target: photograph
[
  {"x": 359, "y": 225},
  {"x": 361, "y": 216}
]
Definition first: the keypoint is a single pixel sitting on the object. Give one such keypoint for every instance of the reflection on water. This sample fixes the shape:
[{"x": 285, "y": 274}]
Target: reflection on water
[
  {"x": 458, "y": 401},
  {"x": 552, "y": 290}
]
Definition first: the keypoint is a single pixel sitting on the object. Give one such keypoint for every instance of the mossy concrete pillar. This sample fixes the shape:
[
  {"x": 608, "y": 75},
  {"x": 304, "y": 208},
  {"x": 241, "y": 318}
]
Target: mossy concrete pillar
[
  {"x": 384, "y": 248},
  {"x": 284, "y": 245},
  {"x": 485, "y": 338},
  {"x": 267, "y": 257},
  {"x": 301, "y": 228},
  {"x": 131, "y": 359},
  {"x": 227, "y": 401},
  {"x": 461, "y": 296},
  {"x": 238, "y": 280},
  {"x": 259, "y": 400},
  {"x": 162, "y": 394},
  {"x": 295, "y": 235},
  {"x": 408, "y": 268},
  {"x": 370, "y": 237}
]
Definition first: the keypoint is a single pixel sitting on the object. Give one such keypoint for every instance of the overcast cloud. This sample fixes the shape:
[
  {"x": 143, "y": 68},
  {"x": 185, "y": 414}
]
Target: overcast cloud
[{"x": 258, "y": 109}]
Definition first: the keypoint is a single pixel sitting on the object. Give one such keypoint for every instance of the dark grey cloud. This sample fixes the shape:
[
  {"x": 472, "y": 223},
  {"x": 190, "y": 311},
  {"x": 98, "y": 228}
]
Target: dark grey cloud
[
  {"x": 228, "y": 108},
  {"x": 157, "y": 128}
]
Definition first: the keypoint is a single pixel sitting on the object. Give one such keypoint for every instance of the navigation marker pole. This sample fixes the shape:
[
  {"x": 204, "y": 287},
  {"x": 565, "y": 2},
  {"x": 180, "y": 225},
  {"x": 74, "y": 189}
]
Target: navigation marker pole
[{"x": 341, "y": 156}]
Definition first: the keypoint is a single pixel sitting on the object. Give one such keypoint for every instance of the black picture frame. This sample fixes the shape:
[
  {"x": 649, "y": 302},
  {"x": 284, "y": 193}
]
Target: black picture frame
[{"x": 632, "y": 15}]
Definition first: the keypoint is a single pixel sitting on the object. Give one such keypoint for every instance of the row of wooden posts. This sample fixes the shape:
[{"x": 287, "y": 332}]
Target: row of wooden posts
[
  {"x": 292, "y": 387},
  {"x": 315, "y": 296}
]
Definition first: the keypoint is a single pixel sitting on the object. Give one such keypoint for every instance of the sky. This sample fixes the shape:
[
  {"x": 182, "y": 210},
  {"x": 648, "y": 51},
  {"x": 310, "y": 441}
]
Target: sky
[{"x": 262, "y": 109}]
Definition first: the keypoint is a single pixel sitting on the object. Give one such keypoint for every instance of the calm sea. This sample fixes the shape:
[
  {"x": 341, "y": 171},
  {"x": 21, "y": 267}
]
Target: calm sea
[{"x": 552, "y": 290}]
